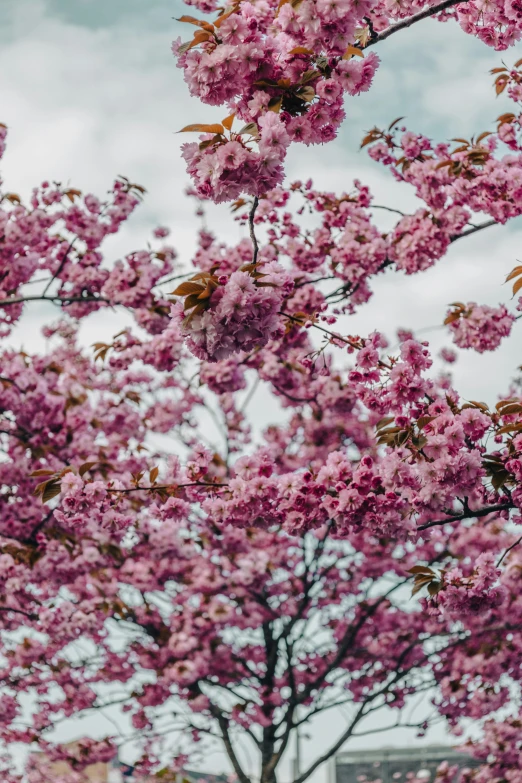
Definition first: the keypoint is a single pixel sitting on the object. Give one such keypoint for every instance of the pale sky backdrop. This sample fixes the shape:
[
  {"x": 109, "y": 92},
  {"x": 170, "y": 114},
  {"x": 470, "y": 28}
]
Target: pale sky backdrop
[{"x": 89, "y": 89}]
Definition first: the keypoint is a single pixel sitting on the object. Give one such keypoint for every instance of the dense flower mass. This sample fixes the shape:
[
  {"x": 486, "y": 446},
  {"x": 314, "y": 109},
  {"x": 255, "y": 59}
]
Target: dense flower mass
[
  {"x": 204, "y": 577},
  {"x": 242, "y": 311}
]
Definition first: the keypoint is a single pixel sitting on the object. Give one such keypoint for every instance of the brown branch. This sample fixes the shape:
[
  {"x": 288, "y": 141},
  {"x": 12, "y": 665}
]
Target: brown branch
[
  {"x": 474, "y": 229},
  {"x": 54, "y": 300},
  {"x": 482, "y": 512},
  {"x": 411, "y": 20},
  {"x": 167, "y": 486},
  {"x": 3, "y": 379},
  {"x": 335, "y": 747},
  {"x": 225, "y": 734},
  {"x": 291, "y": 397},
  {"x": 30, "y": 616}
]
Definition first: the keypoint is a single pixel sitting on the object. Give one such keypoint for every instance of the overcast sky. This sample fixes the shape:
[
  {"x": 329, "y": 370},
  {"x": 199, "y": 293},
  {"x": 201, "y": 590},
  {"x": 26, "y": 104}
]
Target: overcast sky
[{"x": 90, "y": 90}]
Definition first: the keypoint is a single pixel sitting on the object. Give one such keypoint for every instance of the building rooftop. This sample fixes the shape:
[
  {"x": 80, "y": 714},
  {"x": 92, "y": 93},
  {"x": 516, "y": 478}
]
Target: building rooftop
[{"x": 397, "y": 765}]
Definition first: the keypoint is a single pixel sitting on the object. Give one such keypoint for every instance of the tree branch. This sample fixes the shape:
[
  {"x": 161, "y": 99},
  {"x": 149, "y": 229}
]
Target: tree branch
[
  {"x": 482, "y": 512},
  {"x": 474, "y": 229},
  {"x": 333, "y": 748},
  {"x": 29, "y": 615},
  {"x": 223, "y": 725},
  {"x": 54, "y": 300},
  {"x": 411, "y": 20}
]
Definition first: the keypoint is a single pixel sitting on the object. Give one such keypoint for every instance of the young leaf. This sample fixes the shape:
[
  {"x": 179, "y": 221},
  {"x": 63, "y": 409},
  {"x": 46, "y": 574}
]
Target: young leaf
[
  {"x": 421, "y": 570},
  {"x": 51, "y": 490},
  {"x": 514, "y": 273},
  {"x": 201, "y": 128},
  {"x": 83, "y": 469},
  {"x": 306, "y": 93},
  {"x": 274, "y": 104},
  {"x": 509, "y": 410},
  {"x": 394, "y": 123},
  {"x": 250, "y": 129},
  {"x": 219, "y": 21},
  {"x": 352, "y": 51},
  {"x": 187, "y": 288},
  {"x": 191, "y": 20},
  {"x": 227, "y": 122}
]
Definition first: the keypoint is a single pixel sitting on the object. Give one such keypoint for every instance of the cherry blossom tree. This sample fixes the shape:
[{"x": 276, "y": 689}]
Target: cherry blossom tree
[{"x": 218, "y": 586}]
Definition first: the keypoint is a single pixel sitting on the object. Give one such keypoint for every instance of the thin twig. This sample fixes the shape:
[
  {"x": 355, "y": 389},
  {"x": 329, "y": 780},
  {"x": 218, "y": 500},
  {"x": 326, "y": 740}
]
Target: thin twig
[
  {"x": 251, "y": 216},
  {"x": 167, "y": 486},
  {"x": 509, "y": 550},
  {"x": 250, "y": 394},
  {"x": 60, "y": 267},
  {"x": 170, "y": 279},
  {"x": 388, "y": 209},
  {"x": 54, "y": 300},
  {"x": 321, "y": 329}
]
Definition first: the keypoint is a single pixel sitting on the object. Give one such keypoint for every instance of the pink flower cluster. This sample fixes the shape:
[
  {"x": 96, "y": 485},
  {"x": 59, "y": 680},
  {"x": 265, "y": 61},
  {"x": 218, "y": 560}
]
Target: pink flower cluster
[
  {"x": 223, "y": 377},
  {"x": 499, "y": 749},
  {"x": 60, "y": 233},
  {"x": 243, "y": 314},
  {"x": 476, "y": 590},
  {"x": 223, "y": 171},
  {"x": 480, "y": 327},
  {"x": 270, "y": 81}
]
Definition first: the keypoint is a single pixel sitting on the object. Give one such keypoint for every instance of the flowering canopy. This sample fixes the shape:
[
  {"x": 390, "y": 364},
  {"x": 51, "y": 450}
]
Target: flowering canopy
[
  {"x": 231, "y": 590},
  {"x": 282, "y": 68}
]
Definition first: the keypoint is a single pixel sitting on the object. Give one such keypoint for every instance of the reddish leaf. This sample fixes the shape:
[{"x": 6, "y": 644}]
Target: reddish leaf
[
  {"x": 83, "y": 469},
  {"x": 227, "y": 122},
  {"x": 352, "y": 51},
  {"x": 421, "y": 570},
  {"x": 186, "y": 288},
  {"x": 51, "y": 490},
  {"x": 514, "y": 273},
  {"x": 191, "y": 20},
  {"x": 201, "y": 128},
  {"x": 250, "y": 129}
]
